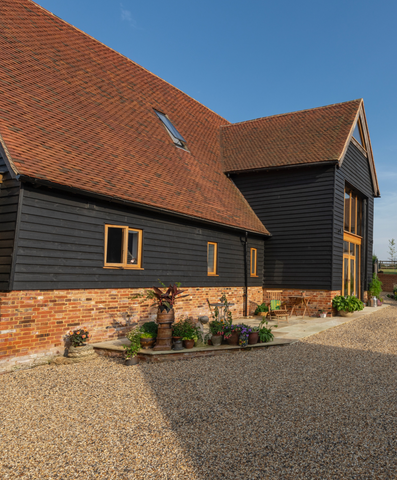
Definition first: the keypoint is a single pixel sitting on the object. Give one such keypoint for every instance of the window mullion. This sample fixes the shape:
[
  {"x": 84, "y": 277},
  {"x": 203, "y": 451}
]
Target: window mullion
[{"x": 125, "y": 245}]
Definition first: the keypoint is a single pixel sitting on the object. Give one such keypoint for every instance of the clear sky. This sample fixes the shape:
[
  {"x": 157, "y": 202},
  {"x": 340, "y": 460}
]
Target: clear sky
[{"x": 254, "y": 58}]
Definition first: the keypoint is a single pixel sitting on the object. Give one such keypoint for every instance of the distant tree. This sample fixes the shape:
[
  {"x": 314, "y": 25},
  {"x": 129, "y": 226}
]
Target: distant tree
[{"x": 392, "y": 250}]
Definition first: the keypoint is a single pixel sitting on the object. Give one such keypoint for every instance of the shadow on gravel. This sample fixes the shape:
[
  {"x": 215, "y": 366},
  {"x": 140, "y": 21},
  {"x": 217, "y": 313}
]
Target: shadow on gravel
[{"x": 302, "y": 411}]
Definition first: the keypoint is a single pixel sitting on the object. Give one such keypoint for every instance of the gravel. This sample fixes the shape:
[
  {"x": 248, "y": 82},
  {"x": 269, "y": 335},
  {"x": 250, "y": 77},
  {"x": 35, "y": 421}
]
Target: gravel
[{"x": 323, "y": 408}]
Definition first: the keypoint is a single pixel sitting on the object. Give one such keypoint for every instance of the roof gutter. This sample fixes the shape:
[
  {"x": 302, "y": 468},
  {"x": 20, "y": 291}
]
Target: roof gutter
[{"x": 78, "y": 191}]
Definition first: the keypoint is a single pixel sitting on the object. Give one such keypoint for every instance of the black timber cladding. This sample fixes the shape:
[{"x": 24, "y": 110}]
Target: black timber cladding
[
  {"x": 296, "y": 205},
  {"x": 9, "y": 198},
  {"x": 356, "y": 172},
  {"x": 61, "y": 246}
]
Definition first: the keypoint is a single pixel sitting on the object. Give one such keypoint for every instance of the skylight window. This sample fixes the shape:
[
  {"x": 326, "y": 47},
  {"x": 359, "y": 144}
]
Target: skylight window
[{"x": 174, "y": 134}]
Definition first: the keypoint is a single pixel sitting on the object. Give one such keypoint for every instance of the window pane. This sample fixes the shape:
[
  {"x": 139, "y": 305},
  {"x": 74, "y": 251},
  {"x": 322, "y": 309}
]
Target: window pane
[
  {"x": 346, "y": 276},
  {"x": 352, "y": 277},
  {"x": 347, "y": 210},
  {"x": 359, "y": 217},
  {"x": 132, "y": 252},
  {"x": 114, "y": 252},
  {"x": 253, "y": 262},
  {"x": 357, "y": 134},
  {"x": 353, "y": 214},
  {"x": 345, "y": 247},
  {"x": 352, "y": 249},
  {"x": 211, "y": 258}
]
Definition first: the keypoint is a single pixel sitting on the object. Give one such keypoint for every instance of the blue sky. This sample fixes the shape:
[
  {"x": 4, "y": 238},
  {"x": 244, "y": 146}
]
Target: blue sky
[{"x": 257, "y": 58}]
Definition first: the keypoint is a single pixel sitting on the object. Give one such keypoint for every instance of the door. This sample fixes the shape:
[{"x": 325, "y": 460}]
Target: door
[{"x": 351, "y": 265}]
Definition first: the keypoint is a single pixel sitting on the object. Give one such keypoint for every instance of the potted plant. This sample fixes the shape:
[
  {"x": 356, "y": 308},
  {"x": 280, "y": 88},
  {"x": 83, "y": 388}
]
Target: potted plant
[
  {"x": 346, "y": 306},
  {"x": 322, "y": 314},
  {"x": 380, "y": 301},
  {"x": 262, "y": 310},
  {"x": 216, "y": 329},
  {"x": 245, "y": 331},
  {"x": 374, "y": 289},
  {"x": 232, "y": 334},
  {"x": 393, "y": 296},
  {"x": 165, "y": 302},
  {"x": 189, "y": 332},
  {"x": 75, "y": 343},
  {"x": 131, "y": 350},
  {"x": 253, "y": 337},
  {"x": 265, "y": 334},
  {"x": 148, "y": 334}
]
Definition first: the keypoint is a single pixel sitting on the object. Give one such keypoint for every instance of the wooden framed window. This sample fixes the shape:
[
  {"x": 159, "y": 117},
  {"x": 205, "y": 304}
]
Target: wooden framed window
[
  {"x": 123, "y": 247},
  {"x": 353, "y": 213},
  {"x": 212, "y": 257},
  {"x": 254, "y": 259}
]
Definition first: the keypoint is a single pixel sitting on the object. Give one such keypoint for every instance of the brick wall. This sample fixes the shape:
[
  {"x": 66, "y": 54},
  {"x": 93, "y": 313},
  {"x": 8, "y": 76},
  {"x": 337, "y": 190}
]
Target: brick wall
[
  {"x": 34, "y": 322},
  {"x": 388, "y": 281},
  {"x": 320, "y": 299}
]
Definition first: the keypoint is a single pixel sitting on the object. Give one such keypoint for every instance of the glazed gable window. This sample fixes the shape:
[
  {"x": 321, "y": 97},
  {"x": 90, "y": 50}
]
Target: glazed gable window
[
  {"x": 123, "y": 247},
  {"x": 212, "y": 255}
]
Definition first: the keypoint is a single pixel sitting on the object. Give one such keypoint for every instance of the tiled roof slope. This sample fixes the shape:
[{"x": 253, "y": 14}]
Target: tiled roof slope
[
  {"x": 76, "y": 113},
  {"x": 304, "y": 137}
]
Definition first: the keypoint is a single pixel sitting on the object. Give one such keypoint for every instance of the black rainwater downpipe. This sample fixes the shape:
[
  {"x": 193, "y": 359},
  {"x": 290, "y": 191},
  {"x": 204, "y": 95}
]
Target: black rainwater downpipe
[{"x": 245, "y": 275}]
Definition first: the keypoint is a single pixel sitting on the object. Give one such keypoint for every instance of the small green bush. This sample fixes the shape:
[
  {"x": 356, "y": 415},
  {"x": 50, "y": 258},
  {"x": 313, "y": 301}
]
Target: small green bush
[
  {"x": 375, "y": 287},
  {"x": 261, "y": 308},
  {"x": 149, "y": 327},
  {"x": 347, "y": 304}
]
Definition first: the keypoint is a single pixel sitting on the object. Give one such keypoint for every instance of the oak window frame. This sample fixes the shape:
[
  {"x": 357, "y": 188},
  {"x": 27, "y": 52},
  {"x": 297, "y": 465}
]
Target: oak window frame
[
  {"x": 213, "y": 273},
  {"x": 253, "y": 271},
  {"x": 124, "y": 251}
]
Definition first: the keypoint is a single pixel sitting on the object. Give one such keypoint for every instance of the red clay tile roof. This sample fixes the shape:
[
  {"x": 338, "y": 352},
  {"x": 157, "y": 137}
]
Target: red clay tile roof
[
  {"x": 304, "y": 137},
  {"x": 76, "y": 113}
]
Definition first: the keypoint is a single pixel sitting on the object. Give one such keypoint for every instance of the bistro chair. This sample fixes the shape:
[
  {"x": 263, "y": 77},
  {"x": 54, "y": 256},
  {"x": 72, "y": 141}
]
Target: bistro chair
[{"x": 277, "y": 308}]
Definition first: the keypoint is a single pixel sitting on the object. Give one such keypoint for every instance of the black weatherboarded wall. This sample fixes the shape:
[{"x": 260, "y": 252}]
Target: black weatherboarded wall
[
  {"x": 296, "y": 205},
  {"x": 61, "y": 246},
  {"x": 356, "y": 172},
  {"x": 9, "y": 197}
]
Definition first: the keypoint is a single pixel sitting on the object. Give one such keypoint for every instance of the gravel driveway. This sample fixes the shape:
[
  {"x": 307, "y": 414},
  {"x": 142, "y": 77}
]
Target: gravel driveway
[{"x": 323, "y": 408}]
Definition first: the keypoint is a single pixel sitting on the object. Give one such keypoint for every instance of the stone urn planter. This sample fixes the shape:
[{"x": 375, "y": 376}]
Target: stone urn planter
[
  {"x": 80, "y": 351},
  {"x": 147, "y": 342},
  {"x": 342, "y": 313},
  {"x": 216, "y": 340}
]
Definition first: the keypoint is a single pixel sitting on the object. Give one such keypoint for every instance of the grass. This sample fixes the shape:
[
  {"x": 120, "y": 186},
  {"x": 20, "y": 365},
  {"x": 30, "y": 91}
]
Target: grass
[{"x": 390, "y": 271}]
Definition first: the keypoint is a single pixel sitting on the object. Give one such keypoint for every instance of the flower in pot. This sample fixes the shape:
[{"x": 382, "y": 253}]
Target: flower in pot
[
  {"x": 253, "y": 337},
  {"x": 347, "y": 305},
  {"x": 132, "y": 350},
  {"x": 216, "y": 329},
  {"x": 232, "y": 333},
  {"x": 188, "y": 331},
  {"x": 75, "y": 342},
  {"x": 322, "y": 314},
  {"x": 245, "y": 330}
]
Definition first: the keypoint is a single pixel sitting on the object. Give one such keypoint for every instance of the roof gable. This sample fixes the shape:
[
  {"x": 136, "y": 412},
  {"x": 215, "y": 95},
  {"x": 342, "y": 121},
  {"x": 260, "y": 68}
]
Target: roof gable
[
  {"x": 307, "y": 136},
  {"x": 75, "y": 113}
]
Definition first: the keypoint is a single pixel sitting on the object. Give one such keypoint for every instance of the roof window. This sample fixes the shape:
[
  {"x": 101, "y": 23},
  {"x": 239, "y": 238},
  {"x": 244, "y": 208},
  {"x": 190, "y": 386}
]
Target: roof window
[{"x": 174, "y": 134}]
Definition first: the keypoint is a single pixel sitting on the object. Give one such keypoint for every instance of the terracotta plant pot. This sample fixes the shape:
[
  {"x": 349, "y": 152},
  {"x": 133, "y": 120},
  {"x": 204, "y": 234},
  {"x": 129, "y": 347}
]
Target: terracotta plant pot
[
  {"x": 216, "y": 340},
  {"x": 188, "y": 343},
  {"x": 233, "y": 340},
  {"x": 342, "y": 313},
  {"x": 253, "y": 338},
  {"x": 147, "y": 342}
]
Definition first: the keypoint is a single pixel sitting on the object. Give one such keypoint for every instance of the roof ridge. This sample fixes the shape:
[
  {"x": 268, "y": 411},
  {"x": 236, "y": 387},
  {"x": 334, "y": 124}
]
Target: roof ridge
[
  {"x": 291, "y": 113},
  {"x": 127, "y": 58}
]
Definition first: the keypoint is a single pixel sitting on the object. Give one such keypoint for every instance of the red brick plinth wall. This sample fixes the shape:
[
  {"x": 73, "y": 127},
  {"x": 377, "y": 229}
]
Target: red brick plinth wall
[
  {"x": 388, "y": 281},
  {"x": 320, "y": 299},
  {"x": 34, "y": 322}
]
